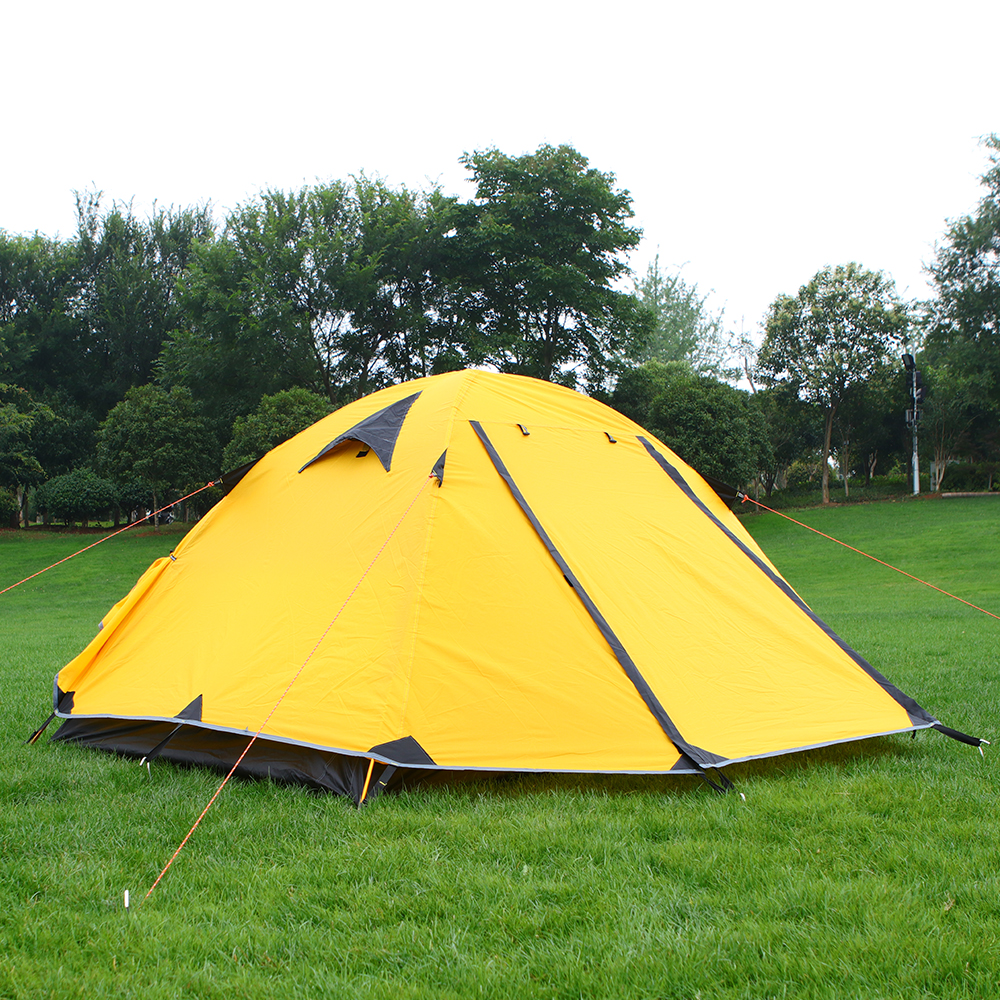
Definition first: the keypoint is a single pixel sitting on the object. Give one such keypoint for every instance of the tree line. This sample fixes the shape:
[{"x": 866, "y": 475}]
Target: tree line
[{"x": 141, "y": 357}]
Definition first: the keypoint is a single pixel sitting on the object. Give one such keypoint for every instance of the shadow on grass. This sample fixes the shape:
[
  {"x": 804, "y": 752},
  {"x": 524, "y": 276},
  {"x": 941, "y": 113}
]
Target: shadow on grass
[{"x": 869, "y": 755}]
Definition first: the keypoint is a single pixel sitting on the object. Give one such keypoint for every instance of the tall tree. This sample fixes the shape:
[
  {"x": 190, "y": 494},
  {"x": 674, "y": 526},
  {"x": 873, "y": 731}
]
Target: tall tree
[
  {"x": 332, "y": 288},
  {"x": 715, "y": 428},
  {"x": 39, "y": 286},
  {"x": 544, "y": 246},
  {"x": 684, "y": 328},
  {"x": 963, "y": 325},
  {"x": 831, "y": 338},
  {"x": 20, "y": 418},
  {"x": 791, "y": 429},
  {"x": 159, "y": 437},
  {"x": 276, "y": 419},
  {"x": 128, "y": 269}
]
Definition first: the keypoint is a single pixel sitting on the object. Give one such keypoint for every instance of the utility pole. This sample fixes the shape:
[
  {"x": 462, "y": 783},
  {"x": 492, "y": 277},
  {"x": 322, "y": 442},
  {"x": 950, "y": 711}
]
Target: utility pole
[{"x": 915, "y": 384}]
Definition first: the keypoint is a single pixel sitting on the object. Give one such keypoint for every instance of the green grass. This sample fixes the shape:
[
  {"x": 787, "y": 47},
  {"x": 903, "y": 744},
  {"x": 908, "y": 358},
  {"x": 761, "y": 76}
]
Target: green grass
[{"x": 867, "y": 870}]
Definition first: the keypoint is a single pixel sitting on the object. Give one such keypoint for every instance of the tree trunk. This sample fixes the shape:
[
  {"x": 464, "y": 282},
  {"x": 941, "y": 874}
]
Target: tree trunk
[{"x": 828, "y": 433}]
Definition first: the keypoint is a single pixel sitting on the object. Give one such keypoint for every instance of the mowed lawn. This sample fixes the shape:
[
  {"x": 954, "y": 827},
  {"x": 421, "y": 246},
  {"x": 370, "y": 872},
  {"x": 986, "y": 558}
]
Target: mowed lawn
[{"x": 869, "y": 870}]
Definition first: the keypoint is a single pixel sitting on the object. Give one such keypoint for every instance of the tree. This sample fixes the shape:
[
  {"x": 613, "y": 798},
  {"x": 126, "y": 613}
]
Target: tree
[
  {"x": 963, "y": 322},
  {"x": 275, "y": 420},
  {"x": 540, "y": 252},
  {"x": 125, "y": 306},
  {"x": 715, "y": 428},
  {"x": 20, "y": 417},
  {"x": 953, "y": 408},
  {"x": 869, "y": 423},
  {"x": 831, "y": 338},
  {"x": 332, "y": 288},
  {"x": 790, "y": 427},
  {"x": 77, "y": 496},
  {"x": 683, "y": 328},
  {"x": 159, "y": 437},
  {"x": 38, "y": 284}
]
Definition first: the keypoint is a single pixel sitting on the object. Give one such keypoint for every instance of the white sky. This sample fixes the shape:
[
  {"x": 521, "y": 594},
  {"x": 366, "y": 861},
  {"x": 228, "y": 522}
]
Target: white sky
[{"x": 760, "y": 140}]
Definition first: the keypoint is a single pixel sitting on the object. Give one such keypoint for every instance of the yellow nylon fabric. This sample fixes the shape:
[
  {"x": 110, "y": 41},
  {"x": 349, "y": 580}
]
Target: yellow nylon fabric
[{"x": 463, "y": 633}]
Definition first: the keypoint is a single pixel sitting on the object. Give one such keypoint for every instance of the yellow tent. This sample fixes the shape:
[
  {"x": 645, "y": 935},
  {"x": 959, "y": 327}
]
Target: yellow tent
[{"x": 470, "y": 571}]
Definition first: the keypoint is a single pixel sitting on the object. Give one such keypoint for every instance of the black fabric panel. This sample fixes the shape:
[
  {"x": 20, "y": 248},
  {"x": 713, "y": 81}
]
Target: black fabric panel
[
  {"x": 284, "y": 762},
  {"x": 379, "y": 431},
  {"x": 322, "y": 770},
  {"x": 727, "y": 494},
  {"x": 230, "y": 479},
  {"x": 403, "y": 751},
  {"x": 918, "y": 715},
  {"x": 191, "y": 712},
  {"x": 438, "y": 470},
  {"x": 62, "y": 701},
  {"x": 156, "y": 751},
  {"x": 685, "y": 765},
  {"x": 701, "y": 757}
]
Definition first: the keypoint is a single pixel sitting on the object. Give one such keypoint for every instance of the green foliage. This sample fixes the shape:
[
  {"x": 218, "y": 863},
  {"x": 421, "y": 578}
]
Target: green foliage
[
  {"x": 831, "y": 338},
  {"x": 715, "y": 428},
  {"x": 331, "y": 289},
  {"x": 128, "y": 270},
  {"x": 80, "y": 495},
  {"x": 8, "y": 505},
  {"x": 683, "y": 327},
  {"x": 544, "y": 245},
  {"x": 38, "y": 288},
  {"x": 963, "y": 322},
  {"x": 869, "y": 425},
  {"x": 962, "y": 477},
  {"x": 21, "y": 417},
  {"x": 135, "y": 498},
  {"x": 276, "y": 419},
  {"x": 159, "y": 437},
  {"x": 791, "y": 428}
]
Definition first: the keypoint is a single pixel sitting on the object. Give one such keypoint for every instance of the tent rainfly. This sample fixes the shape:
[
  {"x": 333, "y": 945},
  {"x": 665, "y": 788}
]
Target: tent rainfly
[{"x": 518, "y": 578}]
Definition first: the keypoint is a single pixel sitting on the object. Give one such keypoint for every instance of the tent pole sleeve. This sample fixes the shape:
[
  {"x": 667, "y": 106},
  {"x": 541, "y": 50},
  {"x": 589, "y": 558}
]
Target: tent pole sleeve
[
  {"x": 701, "y": 758},
  {"x": 918, "y": 715}
]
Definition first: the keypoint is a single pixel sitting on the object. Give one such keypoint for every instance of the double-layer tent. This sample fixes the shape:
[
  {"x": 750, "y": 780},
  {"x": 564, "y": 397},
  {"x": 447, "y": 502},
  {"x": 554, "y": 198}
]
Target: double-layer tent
[{"x": 470, "y": 571}]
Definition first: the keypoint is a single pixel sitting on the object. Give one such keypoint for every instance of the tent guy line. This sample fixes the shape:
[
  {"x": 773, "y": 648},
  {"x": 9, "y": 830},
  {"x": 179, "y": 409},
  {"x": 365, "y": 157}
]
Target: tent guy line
[
  {"x": 173, "y": 503},
  {"x": 743, "y": 498},
  {"x": 298, "y": 674}
]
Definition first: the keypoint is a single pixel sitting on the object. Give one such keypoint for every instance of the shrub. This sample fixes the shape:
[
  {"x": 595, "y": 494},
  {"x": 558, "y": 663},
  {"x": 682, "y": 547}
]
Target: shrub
[
  {"x": 969, "y": 477},
  {"x": 135, "y": 498},
  {"x": 78, "y": 496},
  {"x": 8, "y": 505}
]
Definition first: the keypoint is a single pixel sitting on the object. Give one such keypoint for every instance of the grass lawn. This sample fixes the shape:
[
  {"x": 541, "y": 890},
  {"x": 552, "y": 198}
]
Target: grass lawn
[{"x": 868, "y": 870}]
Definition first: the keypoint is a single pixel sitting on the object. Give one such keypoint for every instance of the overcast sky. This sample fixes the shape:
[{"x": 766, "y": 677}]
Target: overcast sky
[{"x": 760, "y": 141}]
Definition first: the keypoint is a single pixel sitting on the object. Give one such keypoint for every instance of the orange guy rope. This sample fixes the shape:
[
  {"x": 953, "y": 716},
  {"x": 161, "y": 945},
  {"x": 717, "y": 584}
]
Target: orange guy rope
[
  {"x": 112, "y": 535},
  {"x": 298, "y": 673},
  {"x": 745, "y": 498}
]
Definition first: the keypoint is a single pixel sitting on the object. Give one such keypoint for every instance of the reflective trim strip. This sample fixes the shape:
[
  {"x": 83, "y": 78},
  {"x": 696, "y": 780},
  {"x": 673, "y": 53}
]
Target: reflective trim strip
[{"x": 702, "y": 758}]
